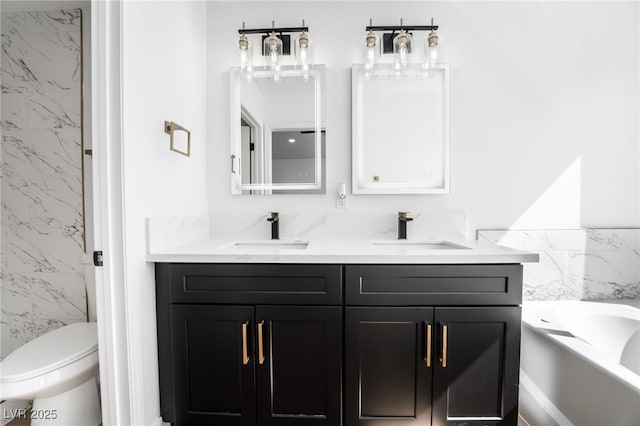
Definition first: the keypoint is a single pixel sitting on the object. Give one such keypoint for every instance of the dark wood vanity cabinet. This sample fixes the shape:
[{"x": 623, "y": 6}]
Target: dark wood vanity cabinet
[
  {"x": 455, "y": 362},
  {"x": 257, "y": 363},
  {"x": 211, "y": 381},
  {"x": 478, "y": 385},
  {"x": 387, "y": 381},
  {"x": 400, "y": 371},
  {"x": 247, "y": 344}
]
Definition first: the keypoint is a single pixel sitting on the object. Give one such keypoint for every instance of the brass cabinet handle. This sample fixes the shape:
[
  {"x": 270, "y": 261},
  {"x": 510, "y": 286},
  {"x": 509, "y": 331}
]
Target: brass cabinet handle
[
  {"x": 427, "y": 344},
  {"x": 443, "y": 360},
  {"x": 245, "y": 355},
  {"x": 233, "y": 157},
  {"x": 260, "y": 343}
]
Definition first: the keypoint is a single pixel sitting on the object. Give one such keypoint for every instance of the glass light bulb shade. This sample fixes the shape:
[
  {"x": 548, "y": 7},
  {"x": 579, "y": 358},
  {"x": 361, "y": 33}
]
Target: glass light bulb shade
[
  {"x": 401, "y": 58},
  {"x": 402, "y": 49},
  {"x": 246, "y": 56},
  {"x": 273, "y": 51},
  {"x": 303, "y": 58},
  {"x": 302, "y": 51},
  {"x": 273, "y": 60},
  {"x": 372, "y": 54},
  {"x": 433, "y": 55},
  {"x": 431, "y": 51}
]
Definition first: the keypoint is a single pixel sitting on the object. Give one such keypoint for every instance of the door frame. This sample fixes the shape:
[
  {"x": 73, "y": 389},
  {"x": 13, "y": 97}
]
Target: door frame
[{"x": 108, "y": 226}]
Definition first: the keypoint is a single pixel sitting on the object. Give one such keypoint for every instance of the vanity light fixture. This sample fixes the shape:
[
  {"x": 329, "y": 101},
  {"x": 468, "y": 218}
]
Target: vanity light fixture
[
  {"x": 275, "y": 43},
  {"x": 292, "y": 140},
  {"x": 398, "y": 41}
]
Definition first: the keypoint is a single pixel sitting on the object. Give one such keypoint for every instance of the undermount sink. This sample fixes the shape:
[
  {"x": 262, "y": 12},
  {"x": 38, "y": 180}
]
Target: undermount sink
[
  {"x": 269, "y": 245},
  {"x": 417, "y": 245}
]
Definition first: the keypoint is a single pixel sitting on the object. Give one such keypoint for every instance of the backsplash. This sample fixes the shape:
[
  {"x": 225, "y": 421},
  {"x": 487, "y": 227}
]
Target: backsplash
[
  {"x": 576, "y": 264},
  {"x": 425, "y": 226},
  {"x": 170, "y": 232},
  {"x": 42, "y": 209}
]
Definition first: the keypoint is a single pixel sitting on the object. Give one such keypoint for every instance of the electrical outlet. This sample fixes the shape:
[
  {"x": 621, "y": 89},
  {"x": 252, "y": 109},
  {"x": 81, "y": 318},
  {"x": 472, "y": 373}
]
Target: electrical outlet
[
  {"x": 341, "y": 197},
  {"x": 341, "y": 203}
]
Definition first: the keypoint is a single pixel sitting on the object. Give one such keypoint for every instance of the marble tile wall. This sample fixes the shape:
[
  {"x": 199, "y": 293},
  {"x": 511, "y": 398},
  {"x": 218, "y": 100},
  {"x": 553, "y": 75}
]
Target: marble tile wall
[
  {"x": 42, "y": 227},
  {"x": 577, "y": 264}
]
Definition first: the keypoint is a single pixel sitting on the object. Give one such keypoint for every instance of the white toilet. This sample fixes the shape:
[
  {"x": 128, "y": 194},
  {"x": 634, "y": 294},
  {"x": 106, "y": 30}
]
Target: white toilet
[{"x": 57, "y": 370}]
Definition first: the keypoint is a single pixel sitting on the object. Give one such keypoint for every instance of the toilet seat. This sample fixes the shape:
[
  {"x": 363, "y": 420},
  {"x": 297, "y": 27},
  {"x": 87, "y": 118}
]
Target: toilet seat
[{"x": 50, "y": 352}]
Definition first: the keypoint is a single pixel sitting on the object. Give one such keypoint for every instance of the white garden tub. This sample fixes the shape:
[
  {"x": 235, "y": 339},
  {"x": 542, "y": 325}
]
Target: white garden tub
[{"x": 580, "y": 364}]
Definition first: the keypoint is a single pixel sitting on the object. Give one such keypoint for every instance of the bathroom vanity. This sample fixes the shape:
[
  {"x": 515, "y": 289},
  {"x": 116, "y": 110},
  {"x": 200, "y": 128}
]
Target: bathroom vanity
[{"x": 385, "y": 337}]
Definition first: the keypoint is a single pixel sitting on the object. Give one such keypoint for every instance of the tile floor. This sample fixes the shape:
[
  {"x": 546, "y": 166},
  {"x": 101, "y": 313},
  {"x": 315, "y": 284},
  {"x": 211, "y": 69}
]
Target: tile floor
[
  {"x": 27, "y": 422},
  {"x": 24, "y": 421}
]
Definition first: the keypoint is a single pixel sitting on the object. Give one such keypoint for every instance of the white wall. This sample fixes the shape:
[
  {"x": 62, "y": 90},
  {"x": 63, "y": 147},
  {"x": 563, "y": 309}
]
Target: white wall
[
  {"x": 164, "y": 78},
  {"x": 544, "y": 134}
]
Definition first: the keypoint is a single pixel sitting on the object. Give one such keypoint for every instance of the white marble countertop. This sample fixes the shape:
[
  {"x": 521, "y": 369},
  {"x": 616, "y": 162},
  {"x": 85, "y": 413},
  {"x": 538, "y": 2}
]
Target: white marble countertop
[{"x": 343, "y": 251}]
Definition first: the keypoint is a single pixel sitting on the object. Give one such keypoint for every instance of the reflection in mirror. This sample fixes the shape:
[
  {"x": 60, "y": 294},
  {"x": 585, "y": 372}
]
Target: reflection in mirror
[
  {"x": 293, "y": 158},
  {"x": 277, "y": 134},
  {"x": 400, "y": 130}
]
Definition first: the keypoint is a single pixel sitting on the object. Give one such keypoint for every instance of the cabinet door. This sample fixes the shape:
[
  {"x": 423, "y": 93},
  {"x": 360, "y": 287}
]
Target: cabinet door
[
  {"x": 214, "y": 380},
  {"x": 388, "y": 369},
  {"x": 299, "y": 364},
  {"x": 476, "y": 374}
]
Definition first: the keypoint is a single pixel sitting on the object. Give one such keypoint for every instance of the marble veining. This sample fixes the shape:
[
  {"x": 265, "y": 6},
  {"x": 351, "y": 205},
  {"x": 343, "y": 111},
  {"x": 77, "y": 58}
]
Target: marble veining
[
  {"x": 25, "y": 328},
  {"x": 168, "y": 232},
  {"x": 577, "y": 264},
  {"x": 11, "y": 23},
  {"x": 14, "y": 110},
  {"x": 42, "y": 228},
  {"x": 43, "y": 180},
  {"x": 30, "y": 250},
  {"x": 41, "y": 46},
  {"x": 57, "y": 295},
  {"x": 426, "y": 226},
  {"x": 52, "y": 21},
  {"x": 615, "y": 239},
  {"x": 53, "y": 107}
]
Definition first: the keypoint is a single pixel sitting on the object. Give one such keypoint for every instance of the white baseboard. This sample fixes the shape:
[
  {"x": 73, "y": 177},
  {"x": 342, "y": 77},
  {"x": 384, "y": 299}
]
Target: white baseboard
[
  {"x": 522, "y": 421},
  {"x": 159, "y": 422},
  {"x": 10, "y": 409}
]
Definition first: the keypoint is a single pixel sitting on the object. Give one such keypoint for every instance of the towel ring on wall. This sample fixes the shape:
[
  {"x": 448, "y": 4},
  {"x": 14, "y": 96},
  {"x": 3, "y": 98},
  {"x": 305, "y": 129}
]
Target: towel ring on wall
[{"x": 170, "y": 128}]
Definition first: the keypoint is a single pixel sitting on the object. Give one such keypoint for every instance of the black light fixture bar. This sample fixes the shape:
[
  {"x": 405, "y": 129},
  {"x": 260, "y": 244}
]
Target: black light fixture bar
[
  {"x": 402, "y": 27},
  {"x": 277, "y": 30},
  {"x": 281, "y": 31},
  {"x": 387, "y": 38}
]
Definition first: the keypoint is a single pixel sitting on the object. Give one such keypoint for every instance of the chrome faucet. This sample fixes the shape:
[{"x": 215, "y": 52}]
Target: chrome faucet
[
  {"x": 402, "y": 225},
  {"x": 275, "y": 225}
]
